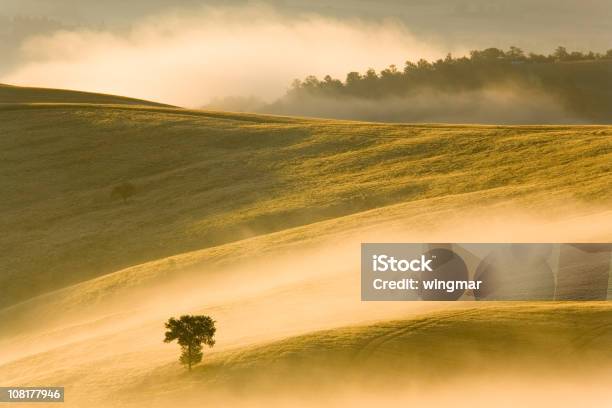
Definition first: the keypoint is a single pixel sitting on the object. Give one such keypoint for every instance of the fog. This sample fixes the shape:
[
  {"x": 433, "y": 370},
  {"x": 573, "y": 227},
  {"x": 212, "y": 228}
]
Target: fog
[
  {"x": 196, "y": 52},
  {"x": 510, "y": 104},
  {"x": 500, "y": 389},
  {"x": 314, "y": 285},
  {"x": 104, "y": 337},
  {"x": 539, "y": 25},
  {"x": 187, "y": 59}
]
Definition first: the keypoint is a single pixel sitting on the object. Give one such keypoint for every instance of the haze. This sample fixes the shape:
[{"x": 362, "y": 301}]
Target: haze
[
  {"x": 320, "y": 293},
  {"x": 189, "y": 53}
]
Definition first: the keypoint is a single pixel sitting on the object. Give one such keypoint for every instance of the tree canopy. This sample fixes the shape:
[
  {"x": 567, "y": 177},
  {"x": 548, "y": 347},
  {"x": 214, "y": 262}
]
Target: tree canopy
[
  {"x": 191, "y": 332},
  {"x": 579, "y": 80}
]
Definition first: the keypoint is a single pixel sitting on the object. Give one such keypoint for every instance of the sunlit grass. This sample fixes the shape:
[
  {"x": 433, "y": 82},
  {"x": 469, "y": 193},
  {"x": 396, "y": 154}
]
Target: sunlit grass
[{"x": 208, "y": 178}]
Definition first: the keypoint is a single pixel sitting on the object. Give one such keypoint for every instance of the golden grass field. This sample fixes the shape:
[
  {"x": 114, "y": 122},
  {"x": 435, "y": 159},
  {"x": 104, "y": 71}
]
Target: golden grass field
[{"x": 256, "y": 220}]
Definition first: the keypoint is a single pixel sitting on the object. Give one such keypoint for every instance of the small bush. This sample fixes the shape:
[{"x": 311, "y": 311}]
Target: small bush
[{"x": 123, "y": 191}]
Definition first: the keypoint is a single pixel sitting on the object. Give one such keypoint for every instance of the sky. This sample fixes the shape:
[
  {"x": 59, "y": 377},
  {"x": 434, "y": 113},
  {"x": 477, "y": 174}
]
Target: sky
[{"x": 190, "y": 52}]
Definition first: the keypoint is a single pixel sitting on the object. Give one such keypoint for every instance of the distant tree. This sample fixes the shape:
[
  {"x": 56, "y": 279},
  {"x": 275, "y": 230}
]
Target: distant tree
[
  {"x": 479, "y": 70},
  {"x": 423, "y": 64},
  {"x": 409, "y": 66},
  {"x": 353, "y": 77},
  {"x": 561, "y": 54},
  {"x": 515, "y": 54},
  {"x": 576, "y": 56},
  {"x": 390, "y": 71},
  {"x": 191, "y": 332},
  {"x": 539, "y": 58},
  {"x": 488, "y": 54},
  {"x": 296, "y": 84},
  {"x": 331, "y": 84},
  {"x": 370, "y": 75},
  {"x": 123, "y": 191},
  {"x": 311, "y": 82}
]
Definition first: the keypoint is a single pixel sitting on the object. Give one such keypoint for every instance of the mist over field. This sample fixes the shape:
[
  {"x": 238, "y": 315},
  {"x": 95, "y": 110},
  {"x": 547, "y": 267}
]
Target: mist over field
[
  {"x": 192, "y": 57},
  {"x": 269, "y": 248},
  {"x": 507, "y": 105},
  {"x": 539, "y": 25},
  {"x": 243, "y": 56},
  {"x": 297, "y": 288},
  {"x": 187, "y": 188}
]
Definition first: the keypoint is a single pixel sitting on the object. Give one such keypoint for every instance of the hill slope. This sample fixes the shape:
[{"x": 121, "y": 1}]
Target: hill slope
[
  {"x": 17, "y": 94},
  {"x": 207, "y": 178},
  {"x": 430, "y": 344},
  {"x": 481, "y": 347},
  {"x": 272, "y": 210}
]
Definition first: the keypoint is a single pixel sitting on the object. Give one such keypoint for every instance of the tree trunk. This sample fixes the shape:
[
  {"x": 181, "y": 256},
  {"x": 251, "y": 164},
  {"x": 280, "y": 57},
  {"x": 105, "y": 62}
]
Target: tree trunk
[{"x": 189, "y": 357}]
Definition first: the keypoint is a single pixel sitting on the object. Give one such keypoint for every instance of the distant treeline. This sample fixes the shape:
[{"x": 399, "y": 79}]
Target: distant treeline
[
  {"x": 581, "y": 82},
  {"x": 478, "y": 69}
]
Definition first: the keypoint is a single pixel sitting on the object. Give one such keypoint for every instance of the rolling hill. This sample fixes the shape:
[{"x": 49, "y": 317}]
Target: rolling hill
[
  {"x": 473, "y": 349},
  {"x": 470, "y": 339},
  {"x": 18, "y": 94},
  {"x": 256, "y": 220},
  {"x": 207, "y": 178}
]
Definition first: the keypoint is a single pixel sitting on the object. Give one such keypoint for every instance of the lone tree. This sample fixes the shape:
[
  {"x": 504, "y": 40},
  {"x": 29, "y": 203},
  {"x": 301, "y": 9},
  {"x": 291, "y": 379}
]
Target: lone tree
[
  {"x": 123, "y": 191},
  {"x": 191, "y": 332}
]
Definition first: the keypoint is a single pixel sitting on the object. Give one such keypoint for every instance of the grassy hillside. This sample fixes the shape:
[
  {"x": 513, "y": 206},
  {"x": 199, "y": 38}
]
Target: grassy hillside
[
  {"x": 207, "y": 178},
  {"x": 440, "y": 344},
  {"x": 198, "y": 274},
  {"x": 18, "y": 94},
  {"x": 255, "y": 221},
  {"x": 538, "y": 344}
]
